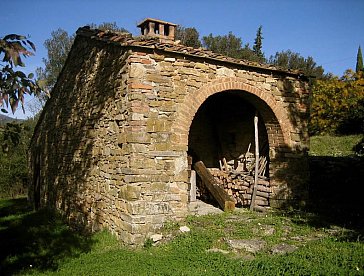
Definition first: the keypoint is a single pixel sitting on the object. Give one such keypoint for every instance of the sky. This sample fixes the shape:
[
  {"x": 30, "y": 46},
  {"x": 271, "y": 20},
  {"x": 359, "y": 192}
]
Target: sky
[{"x": 328, "y": 30}]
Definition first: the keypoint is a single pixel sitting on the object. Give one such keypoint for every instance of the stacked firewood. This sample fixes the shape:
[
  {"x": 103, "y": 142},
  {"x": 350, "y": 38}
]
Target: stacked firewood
[
  {"x": 240, "y": 186},
  {"x": 237, "y": 179}
]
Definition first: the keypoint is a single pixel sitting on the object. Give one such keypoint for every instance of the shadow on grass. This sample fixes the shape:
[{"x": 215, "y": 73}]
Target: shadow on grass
[
  {"x": 335, "y": 198},
  {"x": 35, "y": 239},
  {"x": 335, "y": 190}
]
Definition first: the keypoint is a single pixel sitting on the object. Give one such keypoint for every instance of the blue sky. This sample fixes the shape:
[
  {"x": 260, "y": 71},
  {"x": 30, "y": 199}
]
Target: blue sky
[{"x": 329, "y": 31}]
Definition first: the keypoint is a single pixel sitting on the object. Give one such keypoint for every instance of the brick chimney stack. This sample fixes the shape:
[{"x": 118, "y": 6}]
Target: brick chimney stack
[{"x": 157, "y": 28}]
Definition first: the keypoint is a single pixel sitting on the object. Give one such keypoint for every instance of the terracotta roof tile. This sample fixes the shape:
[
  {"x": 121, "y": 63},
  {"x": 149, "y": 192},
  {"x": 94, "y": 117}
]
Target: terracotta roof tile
[{"x": 126, "y": 39}]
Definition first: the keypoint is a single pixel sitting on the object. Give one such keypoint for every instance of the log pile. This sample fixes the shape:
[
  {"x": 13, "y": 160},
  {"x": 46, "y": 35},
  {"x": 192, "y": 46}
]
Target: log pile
[
  {"x": 236, "y": 177},
  {"x": 240, "y": 185},
  {"x": 225, "y": 201}
]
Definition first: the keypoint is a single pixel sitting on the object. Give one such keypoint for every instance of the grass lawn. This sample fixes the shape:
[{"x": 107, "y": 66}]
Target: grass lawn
[
  {"x": 38, "y": 243},
  {"x": 327, "y": 145}
]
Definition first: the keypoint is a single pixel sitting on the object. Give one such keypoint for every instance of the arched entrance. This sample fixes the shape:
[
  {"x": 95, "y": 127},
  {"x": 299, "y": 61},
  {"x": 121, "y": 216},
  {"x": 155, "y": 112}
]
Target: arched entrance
[
  {"x": 216, "y": 123},
  {"x": 274, "y": 114},
  {"x": 222, "y": 137},
  {"x": 223, "y": 128}
]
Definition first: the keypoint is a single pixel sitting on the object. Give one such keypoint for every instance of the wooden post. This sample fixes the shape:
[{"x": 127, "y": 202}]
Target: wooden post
[
  {"x": 193, "y": 186},
  {"x": 256, "y": 161},
  {"x": 225, "y": 201}
]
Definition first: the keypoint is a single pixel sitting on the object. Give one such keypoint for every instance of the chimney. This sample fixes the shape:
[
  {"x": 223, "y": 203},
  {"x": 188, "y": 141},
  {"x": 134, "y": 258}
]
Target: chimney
[{"x": 157, "y": 28}]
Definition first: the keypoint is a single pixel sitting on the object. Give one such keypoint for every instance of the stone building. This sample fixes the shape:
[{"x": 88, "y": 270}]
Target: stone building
[{"x": 111, "y": 146}]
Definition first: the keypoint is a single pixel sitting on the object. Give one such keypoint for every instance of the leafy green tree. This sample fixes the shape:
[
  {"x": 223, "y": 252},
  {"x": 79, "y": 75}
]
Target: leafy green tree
[
  {"x": 14, "y": 140},
  {"x": 188, "y": 36},
  {"x": 14, "y": 84},
  {"x": 338, "y": 105},
  {"x": 359, "y": 61},
  {"x": 248, "y": 54},
  {"x": 108, "y": 26},
  {"x": 258, "y": 44},
  {"x": 229, "y": 45},
  {"x": 291, "y": 60},
  {"x": 58, "y": 47}
]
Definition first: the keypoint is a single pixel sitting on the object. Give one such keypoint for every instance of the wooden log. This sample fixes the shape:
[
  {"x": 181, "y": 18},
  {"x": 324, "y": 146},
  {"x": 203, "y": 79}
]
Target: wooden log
[
  {"x": 263, "y": 194},
  {"x": 226, "y": 166},
  {"x": 244, "y": 184},
  {"x": 263, "y": 182},
  {"x": 257, "y": 202},
  {"x": 261, "y": 200},
  {"x": 246, "y": 197},
  {"x": 262, "y": 165},
  {"x": 240, "y": 167},
  {"x": 225, "y": 201},
  {"x": 263, "y": 189},
  {"x": 261, "y": 203}
]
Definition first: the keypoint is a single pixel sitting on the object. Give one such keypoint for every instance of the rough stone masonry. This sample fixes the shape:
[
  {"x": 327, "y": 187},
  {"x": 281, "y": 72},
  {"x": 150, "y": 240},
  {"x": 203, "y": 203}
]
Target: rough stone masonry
[{"x": 111, "y": 146}]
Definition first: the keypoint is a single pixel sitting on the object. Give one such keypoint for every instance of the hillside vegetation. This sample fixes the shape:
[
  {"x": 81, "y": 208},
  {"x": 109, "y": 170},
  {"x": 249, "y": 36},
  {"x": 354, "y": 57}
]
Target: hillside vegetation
[
  {"x": 14, "y": 142},
  {"x": 339, "y": 146}
]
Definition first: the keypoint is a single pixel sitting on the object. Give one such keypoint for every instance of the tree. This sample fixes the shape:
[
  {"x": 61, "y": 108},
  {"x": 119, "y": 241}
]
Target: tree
[
  {"x": 258, "y": 44},
  {"x": 58, "y": 47},
  {"x": 108, "y": 26},
  {"x": 188, "y": 36},
  {"x": 291, "y": 60},
  {"x": 248, "y": 54},
  {"x": 338, "y": 104},
  {"x": 359, "y": 61},
  {"x": 15, "y": 84},
  {"x": 229, "y": 45},
  {"x": 14, "y": 141}
]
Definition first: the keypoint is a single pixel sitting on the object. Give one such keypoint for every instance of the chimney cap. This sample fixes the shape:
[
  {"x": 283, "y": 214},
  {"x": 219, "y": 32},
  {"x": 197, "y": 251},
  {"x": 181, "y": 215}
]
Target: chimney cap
[
  {"x": 163, "y": 30},
  {"x": 156, "y": 21}
]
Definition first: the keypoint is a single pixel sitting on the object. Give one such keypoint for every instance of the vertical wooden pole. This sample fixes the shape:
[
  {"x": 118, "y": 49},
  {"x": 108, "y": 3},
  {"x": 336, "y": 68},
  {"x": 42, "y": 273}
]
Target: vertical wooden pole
[
  {"x": 193, "y": 186},
  {"x": 256, "y": 137}
]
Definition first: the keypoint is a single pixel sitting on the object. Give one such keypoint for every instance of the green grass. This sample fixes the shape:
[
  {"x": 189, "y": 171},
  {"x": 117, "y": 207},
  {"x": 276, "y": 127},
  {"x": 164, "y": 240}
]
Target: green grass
[
  {"x": 333, "y": 145},
  {"x": 35, "y": 239},
  {"x": 38, "y": 243}
]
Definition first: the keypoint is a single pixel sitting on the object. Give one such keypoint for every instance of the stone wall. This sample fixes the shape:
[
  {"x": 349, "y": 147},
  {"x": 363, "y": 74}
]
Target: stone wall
[
  {"x": 110, "y": 149},
  {"x": 175, "y": 88},
  {"x": 75, "y": 158}
]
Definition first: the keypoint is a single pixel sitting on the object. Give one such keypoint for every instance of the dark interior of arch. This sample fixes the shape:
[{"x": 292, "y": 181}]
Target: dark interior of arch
[{"x": 223, "y": 127}]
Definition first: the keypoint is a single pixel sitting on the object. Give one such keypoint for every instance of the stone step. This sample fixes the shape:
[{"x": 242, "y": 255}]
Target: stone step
[{"x": 200, "y": 208}]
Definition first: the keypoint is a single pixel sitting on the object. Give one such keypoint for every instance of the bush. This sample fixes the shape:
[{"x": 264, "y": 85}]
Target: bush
[
  {"x": 14, "y": 138},
  {"x": 338, "y": 105}
]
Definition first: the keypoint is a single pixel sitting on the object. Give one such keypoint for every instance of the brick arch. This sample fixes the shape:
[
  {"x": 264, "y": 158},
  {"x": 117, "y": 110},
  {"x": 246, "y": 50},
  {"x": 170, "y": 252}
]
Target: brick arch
[{"x": 188, "y": 108}]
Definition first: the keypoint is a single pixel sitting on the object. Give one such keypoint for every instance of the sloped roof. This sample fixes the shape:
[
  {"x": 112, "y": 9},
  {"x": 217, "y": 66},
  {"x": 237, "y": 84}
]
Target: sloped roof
[
  {"x": 126, "y": 39},
  {"x": 155, "y": 20}
]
